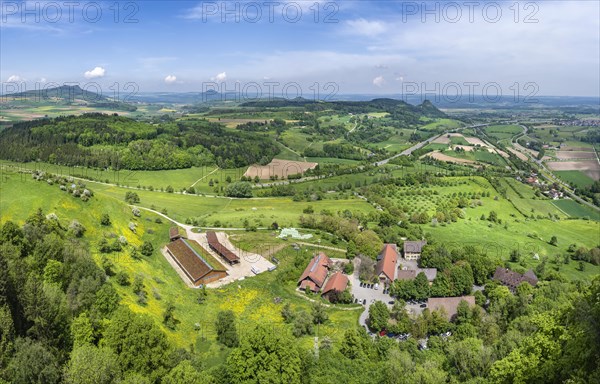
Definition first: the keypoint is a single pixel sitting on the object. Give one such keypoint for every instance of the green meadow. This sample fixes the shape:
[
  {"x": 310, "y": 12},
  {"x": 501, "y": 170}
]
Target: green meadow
[
  {"x": 576, "y": 179},
  {"x": 252, "y": 299}
]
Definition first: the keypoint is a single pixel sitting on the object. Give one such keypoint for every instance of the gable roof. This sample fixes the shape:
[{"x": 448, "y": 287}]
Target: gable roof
[
  {"x": 388, "y": 261},
  {"x": 512, "y": 279},
  {"x": 337, "y": 282},
  {"x": 414, "y": 246},
  {"x": 449, "y": 304},
  {"x": 214, "y": 243},
  {"x": 316, "y": 270},
  {"x": 193, "y": 263},
  {"x": 174, "y": 233},
  {"x": 406, "y": 274}
]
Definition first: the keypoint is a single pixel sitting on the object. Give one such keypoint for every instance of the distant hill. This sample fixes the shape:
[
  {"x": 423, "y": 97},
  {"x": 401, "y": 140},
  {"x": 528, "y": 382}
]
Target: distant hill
[
  {"x": 391, "y": 106},
  {"x": 68, "y": 93},
  {"x": 71, "y": 94}
]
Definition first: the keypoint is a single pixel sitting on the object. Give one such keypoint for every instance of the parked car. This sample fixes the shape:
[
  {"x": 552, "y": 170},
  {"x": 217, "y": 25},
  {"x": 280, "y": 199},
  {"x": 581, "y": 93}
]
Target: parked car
[
  {"x": 423, "y": 305},
  {"x": 364, "y": 301},
  {"x": 376, "y": 286},
  {"x": 391, "y": 302}
]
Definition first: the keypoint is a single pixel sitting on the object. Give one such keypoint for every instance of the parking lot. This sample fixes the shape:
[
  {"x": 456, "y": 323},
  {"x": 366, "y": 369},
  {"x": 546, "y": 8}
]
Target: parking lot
[{"x": 368, "y": 296}]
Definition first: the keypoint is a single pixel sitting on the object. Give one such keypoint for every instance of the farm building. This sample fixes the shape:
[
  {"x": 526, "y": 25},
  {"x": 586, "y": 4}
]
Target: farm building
[
  {"x": 337, "y": 283},
  {"x": 174, "y": 234},
  {"x": 413, "y": 249},
  {"x": 197, "y": 264},
  {"x": 315, "y": 273},
  {"x": 512, "y": 279},
  {"x": 449, "y": 304},
  {"x": 387, "y": 264},
  {"x": 220, "y": 249},
  {"x": 406, "y": 274}
]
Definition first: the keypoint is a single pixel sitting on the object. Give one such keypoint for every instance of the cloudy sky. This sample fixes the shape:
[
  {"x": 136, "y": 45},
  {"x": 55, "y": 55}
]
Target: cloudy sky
[{"x": 374, "y": 47}]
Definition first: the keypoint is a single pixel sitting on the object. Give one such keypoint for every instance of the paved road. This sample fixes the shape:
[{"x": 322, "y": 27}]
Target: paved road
[
  {"x": 409, "y": 151},
  {"x": 551, "y": 178}
]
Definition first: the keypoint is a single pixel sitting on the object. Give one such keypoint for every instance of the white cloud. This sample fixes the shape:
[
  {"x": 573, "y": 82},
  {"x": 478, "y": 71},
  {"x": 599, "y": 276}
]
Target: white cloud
[
  {"x": 43, "y": 80},
  {"x": 170, "y": 79},
  {"x": 95, "y": 73},
  {"x": 365, "y": 27},
  {"x": 378, "y": 81},
  {"x": 220, "y": 77},
  {"x": 14, "y": 79}
]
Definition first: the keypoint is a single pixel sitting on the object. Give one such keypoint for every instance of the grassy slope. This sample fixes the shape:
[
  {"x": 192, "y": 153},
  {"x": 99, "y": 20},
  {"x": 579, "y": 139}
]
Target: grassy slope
[
  {"x": 251, "y": 299},
  {"x": 232, "y": 212},
  {"x": 498, "y": 240}
]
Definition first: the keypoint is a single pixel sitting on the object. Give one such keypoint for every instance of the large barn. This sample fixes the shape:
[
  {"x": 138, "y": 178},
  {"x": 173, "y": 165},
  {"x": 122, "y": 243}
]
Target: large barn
[
  {"x": 223, "y": 251},
  {"x": 315, "y": 273},
  {"x": 197, "y": 264}
]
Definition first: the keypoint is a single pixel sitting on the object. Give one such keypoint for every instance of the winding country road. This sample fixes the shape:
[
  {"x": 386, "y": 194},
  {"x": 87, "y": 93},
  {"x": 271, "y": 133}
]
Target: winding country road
[
  {"x": 548, "y": 175},
  {"x": 409, "y": 151}
]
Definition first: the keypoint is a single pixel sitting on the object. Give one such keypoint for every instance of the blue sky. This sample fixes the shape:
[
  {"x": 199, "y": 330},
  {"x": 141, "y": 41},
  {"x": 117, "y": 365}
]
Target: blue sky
[{"x": 375, "y": 47}]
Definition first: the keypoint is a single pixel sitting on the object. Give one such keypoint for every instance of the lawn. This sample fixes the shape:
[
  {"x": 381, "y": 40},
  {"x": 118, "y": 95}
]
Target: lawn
[
  {"x": 226, "y": 212},
  {"x": 442, "y": 125},
  {"x": 502, "y": 132},
  {"x": 577, "y": 179},
  {"x": 575, "y": 209}
]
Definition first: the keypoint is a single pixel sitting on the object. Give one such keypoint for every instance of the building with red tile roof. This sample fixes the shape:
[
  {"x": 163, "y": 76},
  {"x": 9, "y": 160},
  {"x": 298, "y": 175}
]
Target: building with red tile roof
[
  {"x": 315, "y": 273},
  {"x": 338, "y": 282},
  {"x": 387, "y": 264}
]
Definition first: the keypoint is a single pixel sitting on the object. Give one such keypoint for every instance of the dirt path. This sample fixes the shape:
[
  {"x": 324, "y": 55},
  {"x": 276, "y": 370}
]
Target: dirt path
[
  {"x": 203, "y": 177},
  {"x": 322, "y": 246}
]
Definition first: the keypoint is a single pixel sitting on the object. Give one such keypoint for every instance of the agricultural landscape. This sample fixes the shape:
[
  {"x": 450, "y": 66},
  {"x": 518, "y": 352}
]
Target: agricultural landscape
[{"x": 210, "y": 194}]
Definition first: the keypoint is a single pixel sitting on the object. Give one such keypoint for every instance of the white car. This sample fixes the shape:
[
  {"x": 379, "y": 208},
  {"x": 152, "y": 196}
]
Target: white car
[{"x": 376, "y": 286}]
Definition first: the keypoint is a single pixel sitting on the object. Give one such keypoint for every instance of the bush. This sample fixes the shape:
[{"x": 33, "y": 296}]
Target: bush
[
  {"x": 349, "y": 268},
  {"x": 76, "y": 228},
  {"x": 239, "y": 189},
  {"x": 122, "y": 278},
  {"x": 105, "y": 219},
  {"x": 147, "y": 248},
  {"x": 132, "y": 197}
]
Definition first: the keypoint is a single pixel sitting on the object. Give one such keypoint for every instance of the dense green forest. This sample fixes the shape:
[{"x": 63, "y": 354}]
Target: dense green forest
[
  {"x": 111, "y": 141},
  {"x": 61, "y": 321}
]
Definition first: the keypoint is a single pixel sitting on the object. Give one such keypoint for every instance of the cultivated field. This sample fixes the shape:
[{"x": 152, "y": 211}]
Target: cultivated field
[
  {"x": 590, "y": 167},
  {"x": 443, "y": 157},
  {"x": 575, "y": 178},
  {"x": 572, "y": 155},
  {"x": 280, "y": 168}
]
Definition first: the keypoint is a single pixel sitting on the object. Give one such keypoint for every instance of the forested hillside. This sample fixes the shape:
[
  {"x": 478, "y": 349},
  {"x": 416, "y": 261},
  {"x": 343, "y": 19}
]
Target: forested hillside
[
  {"x": 111, "y": 141},
  {"x": 61, "y": 321}
]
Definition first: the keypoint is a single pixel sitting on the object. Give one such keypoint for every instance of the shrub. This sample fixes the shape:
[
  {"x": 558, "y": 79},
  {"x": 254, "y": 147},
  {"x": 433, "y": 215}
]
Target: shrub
[{"x": 122, "y": 278}]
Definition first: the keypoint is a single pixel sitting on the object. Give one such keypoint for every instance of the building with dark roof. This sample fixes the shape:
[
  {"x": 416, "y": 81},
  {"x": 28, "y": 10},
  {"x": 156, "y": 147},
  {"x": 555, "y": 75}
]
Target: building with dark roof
[
  {"x": 220, "y": 249},
  {"x": 315, "y": 273},
  {"x": 174, "y": 234},
  {"x": 512, "y": 279},
  {"x": 387, "y": 264},
  {"x": 449, "y": 304},
  {"x": 406, "y": 274},
  {"x": 197, "y": 264},
  {"x": 337, "y": 283},
  {"x": 412, "y": 249}
]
